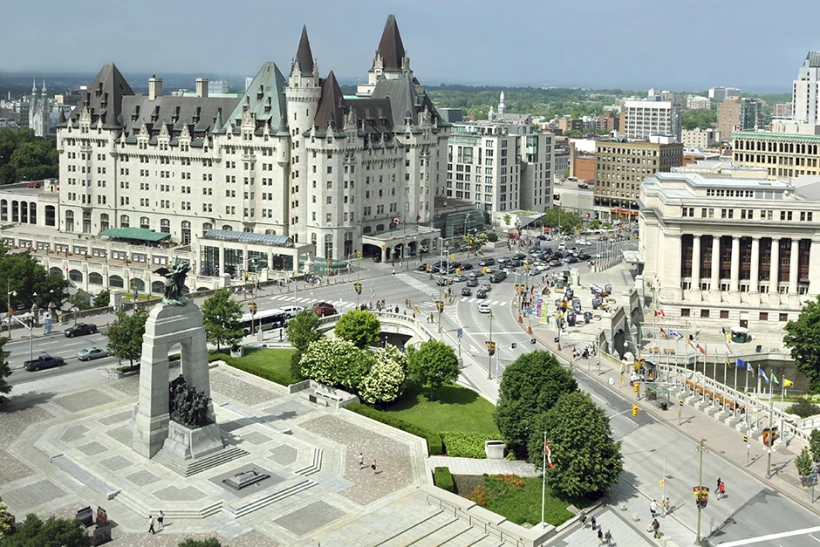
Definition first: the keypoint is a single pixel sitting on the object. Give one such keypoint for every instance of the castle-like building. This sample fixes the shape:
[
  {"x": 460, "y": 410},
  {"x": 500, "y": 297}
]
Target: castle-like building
[
  {"x": 294, "y": 158},
  {"x": 39, "y": 112}
]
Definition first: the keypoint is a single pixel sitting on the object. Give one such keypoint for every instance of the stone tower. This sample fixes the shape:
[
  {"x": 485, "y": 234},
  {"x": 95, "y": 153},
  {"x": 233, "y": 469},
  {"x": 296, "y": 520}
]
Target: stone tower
[{"x": 304, "y": 88}]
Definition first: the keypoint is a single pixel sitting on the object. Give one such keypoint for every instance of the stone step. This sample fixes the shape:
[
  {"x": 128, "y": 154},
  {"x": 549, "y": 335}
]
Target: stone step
[
  {"x": 472, "y": 536},
  {"x": 404, "y": 530},
  {"x": 315, "y": 464},
  {"x": 171, "y": 511},
  {"x": 189, "y": 468},
  {"x": 444, "y": 535},
  {"x": 121, "y": 434},
  {"x": 279, "y": 495},
  {"x": 421, "y": 531}
]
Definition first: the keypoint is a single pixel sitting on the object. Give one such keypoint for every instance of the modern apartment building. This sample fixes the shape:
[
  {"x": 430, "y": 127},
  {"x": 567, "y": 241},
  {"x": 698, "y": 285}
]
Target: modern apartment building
[
  {"x": 500, "y": 167},
  {"x": 698, "y": 103},
  {"x": 620, "y": 166},
  {"x": 806, "y": 91},
  {"x": 739, "y": 114},
  {"x": 700, "y": 138},
  {"x": 726, "y": 252},
  {"x": 782, "y": 110},
  {"x": 644, "y": 118},
  {"x": 722, "y": 93}
]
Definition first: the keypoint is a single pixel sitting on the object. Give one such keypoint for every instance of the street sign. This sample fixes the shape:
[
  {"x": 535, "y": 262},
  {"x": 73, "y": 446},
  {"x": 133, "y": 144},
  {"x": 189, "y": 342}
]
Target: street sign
[{"x": 358, "y": 288}]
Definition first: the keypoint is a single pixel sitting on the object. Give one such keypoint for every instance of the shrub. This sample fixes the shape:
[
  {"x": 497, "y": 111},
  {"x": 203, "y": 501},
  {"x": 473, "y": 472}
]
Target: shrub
[
  {"x": 492, "y": 237},
  {"x": 804, "y": 408},
  {"x": 434, "y": 444},
  {"x": 444, "y": 479},
  {"x": 295, "y": 367},
  {"x": 465, "y": 445}
]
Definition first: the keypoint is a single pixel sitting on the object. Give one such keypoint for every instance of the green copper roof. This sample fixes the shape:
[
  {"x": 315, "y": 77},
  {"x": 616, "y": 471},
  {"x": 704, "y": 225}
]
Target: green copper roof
[
  {"x": 265, "y": 97},
  {"x": 140, "y": 234},
  {"x": 775, "y": 137}
]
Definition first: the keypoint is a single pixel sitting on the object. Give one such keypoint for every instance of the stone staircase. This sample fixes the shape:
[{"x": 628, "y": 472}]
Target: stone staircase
[
  {"x": 314, "y": 466},
  {"x": 441, "y": 529},
  {"x": 172, "y": 510},
  {"x": 189, "y": 468},
  {"x": 239, "y": 509}
]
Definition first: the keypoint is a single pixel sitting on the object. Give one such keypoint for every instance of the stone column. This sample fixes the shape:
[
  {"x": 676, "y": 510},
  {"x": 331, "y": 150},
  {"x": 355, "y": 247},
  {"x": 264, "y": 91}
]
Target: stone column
[
  {"x": 735, "y": 271},
  {"x": 754, "y": 274},
  {"x": 774, "y": 267},
  {"x": 671, "y": 267},
  {"x": 714, "y": 291},
  {"x": 793, "y": 266},
  {"x": 696, "y": 262},
  {"x": 814, "y": 267}
]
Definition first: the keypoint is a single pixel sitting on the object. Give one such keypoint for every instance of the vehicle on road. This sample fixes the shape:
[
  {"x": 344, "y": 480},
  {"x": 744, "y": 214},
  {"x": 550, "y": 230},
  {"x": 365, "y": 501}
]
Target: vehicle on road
[
  {"x": 81, "y": 329},
  {"x": 554, "y": 263},
  {"x": 460, "y": 278},
  {"x": 466, "y": 291},
  {"x": 423, "y": 267},
  {"x": 265, "y": 320},
  {"x": 89, "y": 354},
  {"x": 486, "y": 262},
  {"x": 377, "y": 258},
  {"x": 481, "y": 293},
  {"x": 486, "y": 287},
  {"x": 466, "y": 267},
  {"x": 484, "y": 308},
  {"x": 443, "y": 281},
  {"x": 472, "y": 282},
  {"x": 323, "y": 309},
  {"x": 292, "y": 311},
  {"x": 43, "y": 362},
  {"x": 498, "y": 277},
  {"x": 475, "y": 274},
  {"x": 583, "y": 242}
]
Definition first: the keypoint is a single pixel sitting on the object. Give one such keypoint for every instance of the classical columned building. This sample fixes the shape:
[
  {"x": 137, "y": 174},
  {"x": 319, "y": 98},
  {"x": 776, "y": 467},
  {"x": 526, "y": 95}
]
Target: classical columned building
[{"x": 732, "y": 250}]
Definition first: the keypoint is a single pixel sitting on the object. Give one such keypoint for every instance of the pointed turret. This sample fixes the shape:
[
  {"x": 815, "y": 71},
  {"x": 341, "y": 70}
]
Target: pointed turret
[
  {"x": 304, "y": 56},
  {"x": 34, "y": 86},
  {"x": 44, "y": 86},
  {"x": 391, "y": 48},
  {"x": 218, "y": 125},
  {"x": 330, "y": 106},
  {"x": 61, "y": 120}
]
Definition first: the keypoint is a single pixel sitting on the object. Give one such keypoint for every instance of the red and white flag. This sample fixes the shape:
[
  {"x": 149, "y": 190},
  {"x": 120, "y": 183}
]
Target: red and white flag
[
  {"x": 549, "y": 453},
  {"x": 396, "y": 220},
  {"x": 701, "y": 349},
  {"x": 660, "y": 312},
  {"x": 663, "y": 332}
]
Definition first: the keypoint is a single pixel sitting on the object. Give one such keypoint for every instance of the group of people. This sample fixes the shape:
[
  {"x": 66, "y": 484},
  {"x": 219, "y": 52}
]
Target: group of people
[
  {"x": 594, "y": 523},
  {"x": 360, "y": 458},
  {"x": 586, "y": 353}
]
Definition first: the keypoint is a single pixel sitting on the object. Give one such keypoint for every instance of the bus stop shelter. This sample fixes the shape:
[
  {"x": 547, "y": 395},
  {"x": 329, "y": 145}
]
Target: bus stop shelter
[{"x": 658, "y": 394}]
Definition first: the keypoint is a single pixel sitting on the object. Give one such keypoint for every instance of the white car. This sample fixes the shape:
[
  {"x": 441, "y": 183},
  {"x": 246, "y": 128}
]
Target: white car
[
  {"x": 92, "y": 353},
  {"x": 483, "y": 308},
  {"x": 582, "y": 242},
  {"x": 292, "y": 311}
]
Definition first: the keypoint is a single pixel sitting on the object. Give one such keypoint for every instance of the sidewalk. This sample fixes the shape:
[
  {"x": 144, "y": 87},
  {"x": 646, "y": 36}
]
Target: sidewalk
[{"x": 470, "y": 466}]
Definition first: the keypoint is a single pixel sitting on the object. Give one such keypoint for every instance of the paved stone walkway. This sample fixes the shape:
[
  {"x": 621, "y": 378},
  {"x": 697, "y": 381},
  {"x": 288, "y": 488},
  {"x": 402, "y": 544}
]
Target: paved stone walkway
[{"x": 470, "y": 466}]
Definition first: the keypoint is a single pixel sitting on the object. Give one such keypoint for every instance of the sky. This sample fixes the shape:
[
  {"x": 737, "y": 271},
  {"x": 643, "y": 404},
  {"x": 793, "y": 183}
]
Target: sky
[{"x": 634, "y": 44}]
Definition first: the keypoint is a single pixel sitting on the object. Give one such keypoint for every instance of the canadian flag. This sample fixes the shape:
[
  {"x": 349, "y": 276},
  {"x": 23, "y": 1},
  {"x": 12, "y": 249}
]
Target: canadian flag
[
  {"x": 663, "y": 332},
  {"x": 701, "y": 349},
  {"x": 549, "y": 453},
  {"x": 396, "y": 220},
  {"x": 660, "y": 312}
]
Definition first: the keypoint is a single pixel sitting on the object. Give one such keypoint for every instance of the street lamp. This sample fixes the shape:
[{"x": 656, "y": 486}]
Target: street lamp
[
  {"x": 10, "y": 293},
  {"x": 489, "y": 353}
]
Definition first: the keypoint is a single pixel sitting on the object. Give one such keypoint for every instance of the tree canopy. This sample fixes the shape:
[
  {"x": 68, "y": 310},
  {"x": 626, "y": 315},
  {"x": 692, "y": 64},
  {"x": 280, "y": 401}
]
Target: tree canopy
[
  {"x": 569, "y": 219},
  {"x": 125, "y": 335},
  {"x": 52, "y": 532},
  {"x": 433, "y": 365},
  {"x": 5, "y": 366},
  {"x": 701, "y": 118},
  {"x": 303, "y": 330},
  {"x": 23, "y": 276},
  {"x": 586, "y": 459},
  {"x": 221, "y": 317},
  {"x": 801, "y": 338},
  {"x": 336, "y": 362},
  {"x": 102, "y": 299},
  {"x": 26, "y": 157},
  {"x": 530, "y": 386},
  {"x": 360, "y": 327}
]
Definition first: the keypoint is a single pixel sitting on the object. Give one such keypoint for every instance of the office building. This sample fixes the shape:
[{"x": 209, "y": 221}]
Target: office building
[
  {"x": 739, "y": 114},
  {"x": 720, "y": 94},
  {"x": 620, "y": 166},
  {"x": 790, "y": 150},
  {"x": 642, "y": 119},
  {"x": 782, "y": 110},
  {"x": 700, "y": 138},
  {"x": 218, "y": 87},
  {"x": 500, "y": 167},
  {"x": 806, "y": 91},
  {"x": 730, "y": 251},
  {"x": 608, "y": 121},
  {"x": 698, "y": 103}
]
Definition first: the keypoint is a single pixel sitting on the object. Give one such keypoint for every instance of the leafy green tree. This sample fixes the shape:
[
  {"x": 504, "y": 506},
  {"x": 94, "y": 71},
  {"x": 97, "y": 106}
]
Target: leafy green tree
[
  {"x": 586, "y": 459},
  {"x": 384, "y": 382},
  {"x": 24, "y": 276},
  {"x": 102, "y": 299},
  {"x": 34, "y": 161},
  {"x": 6, "y": 520},
  {"x": 8, "y": 174},
  {"x": 125, "y": 336},
  {"x": 507, "y": 219},
  {"x": 336, "y": 362},
  {"x": 801, "y": 336},
  {"x": 222, "y": 319},
  {"x": 804, "y": 408},
  {"x": 530, "y": 386},
  {"x": 79, "y": 301},
  {"x": 303, "y": 330},
  {"x": 360, "y": 327},
  {"x": 210, "y": 542},
  {"x": 433, "y": 365},
  {"x": 5, "y": 366},
  {"x": 814, "y": 444},
  {"x": 569, "y": 220},
  {"x": 699, "y": 118},
  {"x": 53, "y": 532},
  {"x": 804, "y": 463}
]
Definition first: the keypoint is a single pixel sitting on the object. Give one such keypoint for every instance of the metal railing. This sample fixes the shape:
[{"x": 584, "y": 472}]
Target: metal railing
[{"x": 472, "y": 520}]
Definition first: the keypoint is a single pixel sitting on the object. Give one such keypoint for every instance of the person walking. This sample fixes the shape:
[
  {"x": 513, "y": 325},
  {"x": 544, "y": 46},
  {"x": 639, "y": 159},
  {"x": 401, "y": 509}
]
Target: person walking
[
  {"x": 721, "y": 490},
  {"x": 583, "y": 519},
  {"x": 373, "y": 466},
  {"x": 592, "y": 522},
  {"x": 151, "y": 524},
  {"x": 653, "y": 508},
  {"x": 665, "y": 506},
  {"x": 656, "y": 527},
  {"x": 361, "y": 460},
  {"x": 600, "y": 537},
  {"x": 160, "y": 520}
]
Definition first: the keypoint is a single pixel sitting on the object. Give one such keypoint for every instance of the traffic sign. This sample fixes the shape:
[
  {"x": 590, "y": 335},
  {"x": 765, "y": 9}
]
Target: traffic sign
[
  {"x": 358, "y": 288},
  {"x": 460, "y": 332}
]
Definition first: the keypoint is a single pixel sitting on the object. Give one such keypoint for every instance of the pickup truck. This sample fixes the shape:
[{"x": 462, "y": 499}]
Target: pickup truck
[{"x": 42, "y": 362}]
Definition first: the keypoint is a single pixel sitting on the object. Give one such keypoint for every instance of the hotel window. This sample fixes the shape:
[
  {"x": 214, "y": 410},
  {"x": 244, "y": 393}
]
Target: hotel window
[
  {"x": 764, "y": 316},
  {"x": 684, "y": 312},
  {"x": 784, "y": 317},
  {"x": 724, "y": 314},
  {"x": 704, "y": 314}
]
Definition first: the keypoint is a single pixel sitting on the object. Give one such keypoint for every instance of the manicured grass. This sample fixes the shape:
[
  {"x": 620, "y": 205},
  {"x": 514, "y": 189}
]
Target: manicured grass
[
  {"x": 271, "y": 364},
  {"x": 518, "y": 499},
  {"x": 455, "y": 408}
]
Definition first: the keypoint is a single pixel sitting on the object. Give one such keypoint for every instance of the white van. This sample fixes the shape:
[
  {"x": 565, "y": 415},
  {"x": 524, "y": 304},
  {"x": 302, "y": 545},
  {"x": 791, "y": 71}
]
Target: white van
[{"x": 291, "y": 311}]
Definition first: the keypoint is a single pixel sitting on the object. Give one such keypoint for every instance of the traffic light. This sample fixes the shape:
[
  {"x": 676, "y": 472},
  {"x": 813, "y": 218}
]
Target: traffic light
[
  {"x": 490, "y": 347},
  {"x": 458, "y": 271},
  {"x": 745, "y": 438},
  {"x": 452, "y": 257},
  {"x": 252, "y": 306},
  {"x": 661, "y": 485},
  {"x": 637, "y": 387},
  {"x": 681, "y": 402},
  {"x": 383, "y": 246},
  {"x": 634, "y": 410},
  {"x": 701, "y": 496},
  {"x": 484, "y": 271},
  {"x": 427, "y": 267},
  {"x": 440, "y": 305},
  {"x": 358, "y": 287},
  {"x": 358, "y": 254},
  {"x": 330, "y": 263}
]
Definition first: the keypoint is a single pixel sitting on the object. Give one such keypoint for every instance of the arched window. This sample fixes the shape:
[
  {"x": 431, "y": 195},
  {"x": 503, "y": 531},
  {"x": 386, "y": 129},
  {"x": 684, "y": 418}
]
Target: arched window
[
  {"x": 186, "y": 232},
  {"x": 75, "y": 275},
  {"x": 124, "y": 222},
  {"x": 367, "y": 230},
  {"x": 329, "y": 246},
  {"x": 227, "y": 228},
  {"x": 158, "y": 287},
  {"x": 165, "y": 226},
  {"x": 104, "y": 222},
  {"x": 137, "y": 284},
  {"x": 95, "y": 279},
  {"x": 145, "y": 223},
  {"x": 207, "y": 226},
  {"x": 116, "y": 282},
  {"x": 380, "y": 227},
  {"x": 69, "y": 221}
]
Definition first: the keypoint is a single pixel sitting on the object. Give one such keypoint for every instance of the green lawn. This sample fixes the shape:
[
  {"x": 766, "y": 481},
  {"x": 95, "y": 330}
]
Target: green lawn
[
  {"x": 455, "y": 408},
  {"x": 271, "y": 364}
]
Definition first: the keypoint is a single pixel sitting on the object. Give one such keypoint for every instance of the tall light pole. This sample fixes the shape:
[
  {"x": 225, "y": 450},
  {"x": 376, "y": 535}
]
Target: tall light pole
[
  {"x": 701, "y": 448},
  {"x": 489, "y": 353},
  {"x": 10, "y": 293}
]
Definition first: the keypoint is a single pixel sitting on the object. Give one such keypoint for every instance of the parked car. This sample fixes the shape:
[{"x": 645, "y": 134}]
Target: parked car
[
  {"x": 81, "y": 329},
  {"x": 33, "y": 185},
  {"x": 481, "y": 293},
  {"x": 486, "y": 287},
  {"x": 472, "y": 282},
  {"x": 466, "y": 267},
  {"x": 89, "y": 354},
  {"x": 460, "y": 278},
  {"x": 484, "y": 308},
  {"x": 323, "y": 309},
  {"x": 292, "y": 311},
  {"x": 422, "y": 268},
  {"x": 498, "y": 277},
  {"x": 486, "y": 262},
  {"x": 43, "y": 362},
  {"x": 466, "y": 291}
]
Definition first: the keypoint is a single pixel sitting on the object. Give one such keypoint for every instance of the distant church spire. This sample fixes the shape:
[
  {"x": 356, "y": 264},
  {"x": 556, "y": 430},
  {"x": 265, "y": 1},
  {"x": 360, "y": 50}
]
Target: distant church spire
[
  {"x": 34, "y": 86},
  {"x": 502, "y": 108}
]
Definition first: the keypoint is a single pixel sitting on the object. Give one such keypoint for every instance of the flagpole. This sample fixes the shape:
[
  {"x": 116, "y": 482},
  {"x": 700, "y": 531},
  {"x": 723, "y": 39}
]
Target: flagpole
[
  {"x": 725, "y": 371},
  {"x": 782, "y": 402},
  {"x": 544, "y": 479},
  {"x": 727, "y": 363}
]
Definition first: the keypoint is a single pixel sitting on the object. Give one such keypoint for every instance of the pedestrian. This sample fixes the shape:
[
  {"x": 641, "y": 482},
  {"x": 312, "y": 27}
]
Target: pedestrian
[
  {"x": 151, "y": 524},
  {"x": 583, "y": 519},
  {"x": 361, "y": 460},
  {"x": 653, "y": 508},
  {"x": 160, "y": 520},
  {"x": 722, "y": 490},
  {"x": 600, "y": 537},
  {"x": 592, "y": 522},
  {"x": 281, "y": 334},
  {"x": 373, "y": 466},
  {"x": 717, "y": 488},
  {"x": 656, "y": 526}
]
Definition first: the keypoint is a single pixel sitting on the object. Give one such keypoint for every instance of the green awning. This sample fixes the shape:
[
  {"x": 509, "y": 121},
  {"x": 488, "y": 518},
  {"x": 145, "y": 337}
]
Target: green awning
[{"x": 139, "y": 234}]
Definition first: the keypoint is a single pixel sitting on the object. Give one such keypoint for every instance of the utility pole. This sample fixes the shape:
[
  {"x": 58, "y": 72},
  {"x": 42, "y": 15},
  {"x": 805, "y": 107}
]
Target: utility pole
[
  {"x": 489, "y": 353},
  {"x": 701, "y": 449},
  {"x": 771, "y": 435}
]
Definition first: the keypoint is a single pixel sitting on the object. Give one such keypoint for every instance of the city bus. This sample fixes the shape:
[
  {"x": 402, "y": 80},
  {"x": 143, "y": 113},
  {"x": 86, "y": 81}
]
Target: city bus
[{"x": 265, "y": 319}]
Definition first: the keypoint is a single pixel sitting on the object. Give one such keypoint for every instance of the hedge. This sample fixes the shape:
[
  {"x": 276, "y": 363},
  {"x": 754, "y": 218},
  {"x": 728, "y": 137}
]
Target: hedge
[
  {"x": 434, "y": 444},
  {"x": 465, "y": 444},
  {"x": 444, "y": 479}
]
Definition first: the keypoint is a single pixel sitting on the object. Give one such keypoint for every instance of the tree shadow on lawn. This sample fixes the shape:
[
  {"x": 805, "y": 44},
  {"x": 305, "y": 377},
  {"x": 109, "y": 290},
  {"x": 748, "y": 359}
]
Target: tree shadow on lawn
[{"x": 415, "y": 394}]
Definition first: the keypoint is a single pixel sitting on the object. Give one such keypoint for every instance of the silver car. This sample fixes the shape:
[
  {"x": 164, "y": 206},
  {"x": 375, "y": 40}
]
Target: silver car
[{"x": 89, "y": 354}]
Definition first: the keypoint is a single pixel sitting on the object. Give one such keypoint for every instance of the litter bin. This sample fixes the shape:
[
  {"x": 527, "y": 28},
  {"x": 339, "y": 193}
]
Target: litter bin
[{"x": 664, "y": 406}]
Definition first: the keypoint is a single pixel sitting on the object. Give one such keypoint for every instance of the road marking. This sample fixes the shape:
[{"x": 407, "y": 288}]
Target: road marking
[{"x": 761, "y": 539}]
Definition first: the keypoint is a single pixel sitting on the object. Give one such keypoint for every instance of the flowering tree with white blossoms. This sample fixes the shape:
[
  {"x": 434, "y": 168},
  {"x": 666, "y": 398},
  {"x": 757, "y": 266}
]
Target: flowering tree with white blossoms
[
  {"x": 335, "y": 362},
  {"x": 385, "y": 381}
]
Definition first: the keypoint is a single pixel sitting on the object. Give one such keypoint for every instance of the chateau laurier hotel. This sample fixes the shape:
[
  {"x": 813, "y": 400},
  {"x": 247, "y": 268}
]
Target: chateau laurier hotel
[{"x": 293, "y": 167}]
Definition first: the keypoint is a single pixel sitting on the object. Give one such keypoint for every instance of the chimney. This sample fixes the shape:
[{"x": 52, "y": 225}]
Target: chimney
[
  {"x": 202, "y": 87},
  {"x": 154, "y": 87}
]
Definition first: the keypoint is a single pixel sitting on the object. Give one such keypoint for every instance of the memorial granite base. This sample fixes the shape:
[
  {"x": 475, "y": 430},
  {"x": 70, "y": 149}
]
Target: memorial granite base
[{"x": 188, "y": 443}]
